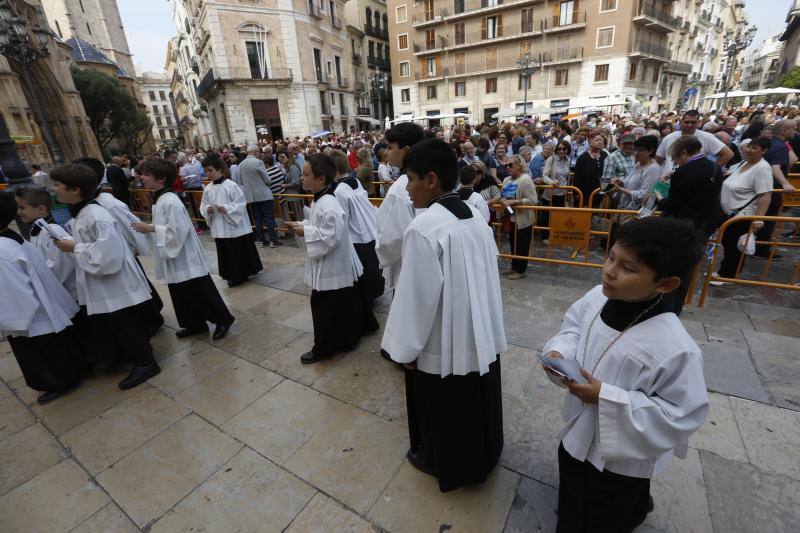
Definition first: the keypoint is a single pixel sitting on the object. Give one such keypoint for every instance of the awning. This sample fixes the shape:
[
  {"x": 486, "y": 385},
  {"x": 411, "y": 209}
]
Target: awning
[
  {"x": 370, "y": 120},
  {"x": 776, "y": 90},
  {"x": 731, "y": 94},
  {"x": 321, "y": 133}
]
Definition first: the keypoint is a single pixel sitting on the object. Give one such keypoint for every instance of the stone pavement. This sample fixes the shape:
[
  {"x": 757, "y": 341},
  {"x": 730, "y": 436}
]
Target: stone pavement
[{"x": 239, "y": 436}]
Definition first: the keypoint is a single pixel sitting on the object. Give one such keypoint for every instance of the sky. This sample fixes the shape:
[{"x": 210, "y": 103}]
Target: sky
[{"x": 148, "y": 26}]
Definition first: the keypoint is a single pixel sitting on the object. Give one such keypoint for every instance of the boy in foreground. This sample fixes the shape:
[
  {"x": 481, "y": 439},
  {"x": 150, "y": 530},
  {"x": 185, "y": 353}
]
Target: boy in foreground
[{"x": 640, "y": 393}]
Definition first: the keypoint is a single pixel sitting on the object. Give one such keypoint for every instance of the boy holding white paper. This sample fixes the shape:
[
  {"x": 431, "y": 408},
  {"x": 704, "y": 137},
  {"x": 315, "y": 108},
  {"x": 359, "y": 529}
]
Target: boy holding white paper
[{"x": 644, "y": 393}]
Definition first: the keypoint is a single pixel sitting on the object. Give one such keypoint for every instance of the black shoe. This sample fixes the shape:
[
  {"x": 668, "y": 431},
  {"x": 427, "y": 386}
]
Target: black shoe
[
  {"x": 235, "y": 283},
  {"x": 418, "y": 464},
  {"x": 650, "y": 504},
  {"x": 310, "y": 357},
  {"x": 139, "y": 375},
  {"x": 188, "y": 332},
  {"x": 264, "y": 244},
  {"x": 222, "y": 329},
  {"x": 48, "y": 397},
  {"x": 386, "y": 355}
]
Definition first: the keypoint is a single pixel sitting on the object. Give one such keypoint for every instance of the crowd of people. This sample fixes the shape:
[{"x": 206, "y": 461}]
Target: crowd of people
[{"x": 80, "y": 299}]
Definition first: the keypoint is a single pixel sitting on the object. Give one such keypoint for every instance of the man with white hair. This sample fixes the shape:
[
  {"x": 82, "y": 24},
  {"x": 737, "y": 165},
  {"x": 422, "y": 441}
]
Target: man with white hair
[
  {"x": 469, "y": 155},
  {"x": 256, "y": 186}
]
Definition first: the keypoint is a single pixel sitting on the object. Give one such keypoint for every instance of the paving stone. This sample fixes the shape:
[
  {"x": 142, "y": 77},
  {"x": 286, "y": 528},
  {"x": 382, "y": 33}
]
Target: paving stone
[
  {"x": 286, "y": 361},
  {"x": 780, "y": 374},
  {"x": 522, "y": 376},
  {"x": 103, "y": 440},
  {"x": 394, "y": 407},
  {"x": 778, "y": 326},
  {"x": 26, "y": 394},
  {"x": 280, "y": 308},
  {"x": 530, "y": 328},
  {"x": 107, "y": 520},
  {"x": 352, "y": 457},
  {"x": 9, "y": 369},
  {"x": 248, "y": 493},
  {"x": 730, "y": 371},
  {"x": 696, "y": 330},
  {"x": 413, "y": 502},
  {"x": 720, "y": 433},
  {"x": 726, "y": 336},
  {"x": 13, "y": 416},
  {"x": 729, "y": 315},
  {"x": 188, "y": 367},
  {"x": 247, "y": 296},
  {"x": 261, "y": 342},
  {"x": 742, "y": 497},
  {"x": 770, "y": 343},
  {"x": 58, "y": 499},
  {"x": 302, "y": 320},
  {"x": 165, "y": 344},
  {"x": 771, "y": 436},
  {"x": 323, "y": 514},
  {"x": 534, "y": 508},
  {"x": 156, "y": 476},
  {"x": 26, "y": 454}
]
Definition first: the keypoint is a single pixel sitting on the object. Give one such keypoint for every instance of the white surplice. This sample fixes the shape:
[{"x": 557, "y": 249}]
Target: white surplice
[
  {"x": 179, "y": 255},
  {"x": 447, "y": 312},
  {"x": 394, "y": 215},
  {"x": 361, "y": 214},
  {"x": 331, "y": 260},
  {"x": 234, "y": 222},
  {"x": 61, "y": 264},
  {"x": 34, "y": 301},
  {"x": 653, "y": 395},
  {"x": 108, "y": 277},
  {"x": 479, "y": 202},
  {"x": 137, "y": 242}
]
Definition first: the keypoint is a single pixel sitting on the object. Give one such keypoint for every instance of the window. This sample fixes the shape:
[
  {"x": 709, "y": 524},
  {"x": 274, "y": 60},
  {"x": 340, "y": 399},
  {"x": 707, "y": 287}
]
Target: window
[
  {"x": 566, "y": 13},
  {"x": 338, "y": 61},
  {"x": 169, "y": 120},
  {"x": 162, "y": 134},
  {"x": 155, "y": 110},
  {"x": 430, "y": 39},
  {"x": 562, "y": 77},
  {"x": 158, "y": 121},
  {"x": 632, "y": 71},
  {"x": 256, "y": 59},
  {"x": 521, "y": 83},
  {"x": 526, "y": 24},
  {"x": 460, "y": 58},
  {"x": 172, "y": 134},
  {"x": 161, "y": 95},
  {"x": 333, "y": 98},
  {"x": 431, "y": 64},
  {"x": 491, "y": 85},
  {"x": 368, "y": 19},
  {"x": 491, "y": 57},
  {"x": 461, "y": 88},
  {"x": 428, "y": 9},
  {"x": 655, "y": 74},
  {"x": 525, "y": 47},
  {"x": 152, "y": 95},
  {"x": 405, "y": 69},
  {"x": 608, "y": 5},
  {"x": 492, "y": 27},
  {"x": 459, "y": 33},
  {"x": 318, "y": 63},
  {"x": 402, "y": 42},
  {"x": 401, "y": 14},
  {"x": 166, "y": 109},
  {"x": 600, "y": 73},
  {"x": 458, "y": 6},
  {"x": 431, "y": 90},
  {"x": 405, "y": 95},
  {"x": 605, "y": 37}
]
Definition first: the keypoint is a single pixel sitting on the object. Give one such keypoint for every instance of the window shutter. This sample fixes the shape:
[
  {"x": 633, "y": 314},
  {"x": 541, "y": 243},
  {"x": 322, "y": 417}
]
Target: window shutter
[
  {"x": 499, "y": 24},
  {"x": 483, "y": 28}
]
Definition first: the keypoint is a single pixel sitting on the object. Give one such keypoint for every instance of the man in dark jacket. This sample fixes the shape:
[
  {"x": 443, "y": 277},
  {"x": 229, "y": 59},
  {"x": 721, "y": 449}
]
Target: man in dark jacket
[{"x": 120, "y": 185}]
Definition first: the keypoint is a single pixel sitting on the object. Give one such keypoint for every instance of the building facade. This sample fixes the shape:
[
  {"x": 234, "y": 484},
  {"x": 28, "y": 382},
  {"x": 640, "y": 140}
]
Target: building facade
[
  {"x": 272, "y": 71},
  {"x": 156, "y": 93},
  {"x": 460, "y": 56},
  {"x": 54, "y": 88},
  {"x": 790, "y": 56},
  {"x": 763, "y": 65}
]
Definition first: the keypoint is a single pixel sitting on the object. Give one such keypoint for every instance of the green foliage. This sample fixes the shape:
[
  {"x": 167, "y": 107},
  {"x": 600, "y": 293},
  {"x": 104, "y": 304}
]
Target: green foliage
[
  {"x": 112, "y": 111},
  {"x": 792, "y": 79}
]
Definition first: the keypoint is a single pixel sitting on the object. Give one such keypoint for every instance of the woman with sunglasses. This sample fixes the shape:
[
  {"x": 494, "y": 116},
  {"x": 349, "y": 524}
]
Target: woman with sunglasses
[
  {"x": 518, "y": 189},
  {"x": 556, "y": 172}
]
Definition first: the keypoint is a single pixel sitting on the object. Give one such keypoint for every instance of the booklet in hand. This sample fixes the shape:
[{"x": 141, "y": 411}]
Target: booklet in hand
[{"x": 566, "y": 368}]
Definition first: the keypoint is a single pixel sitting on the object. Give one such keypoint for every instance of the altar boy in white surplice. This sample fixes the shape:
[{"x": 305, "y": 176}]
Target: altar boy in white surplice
[
  {"x": 446, "y": 326},
  {"x": 644, "y": 394}
]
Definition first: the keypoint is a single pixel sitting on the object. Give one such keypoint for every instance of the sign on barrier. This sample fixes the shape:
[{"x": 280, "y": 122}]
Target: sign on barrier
[
  {"x": 792, "y": 199},
  {"x": 570, "y": 229}
]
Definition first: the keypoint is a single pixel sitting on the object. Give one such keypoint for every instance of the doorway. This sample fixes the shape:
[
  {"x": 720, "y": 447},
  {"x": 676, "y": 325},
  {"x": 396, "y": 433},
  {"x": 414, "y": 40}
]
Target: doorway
[{"x": 267, "y": 119}]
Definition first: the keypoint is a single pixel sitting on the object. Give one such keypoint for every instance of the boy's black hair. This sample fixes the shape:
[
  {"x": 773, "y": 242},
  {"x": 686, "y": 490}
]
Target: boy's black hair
[
  {"x": 8, "y": 208},
  {"x": 35, "y": 196},
  {"x": 466, "y": 176},
  {"x": 669, "y": 246},
  {"x": 322, "y": 165},
  {"x": 160, "y": 168},
  {"x": 95, "y": 164},
  {"x": 214, "y": 161},
  {"x": 648, "y": 142},
  {"x": 405, "y": 134},
  {"x": 433, "y": 155},
  {"x": 76, "y": 177}
]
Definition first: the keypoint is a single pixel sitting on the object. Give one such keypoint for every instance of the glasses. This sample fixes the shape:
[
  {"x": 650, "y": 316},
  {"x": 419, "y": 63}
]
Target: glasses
[{"x": 561, "y": 149}]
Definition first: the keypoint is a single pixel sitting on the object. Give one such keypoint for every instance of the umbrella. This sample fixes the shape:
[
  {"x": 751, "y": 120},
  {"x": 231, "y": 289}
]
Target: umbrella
[
  {"x": 571, "y": 116},
  {"x": 321, "y": 133},
  {"x": 776, "y": 90},
  {"x": 506, "y": 113},
  {"x": 542, "y": 110}
]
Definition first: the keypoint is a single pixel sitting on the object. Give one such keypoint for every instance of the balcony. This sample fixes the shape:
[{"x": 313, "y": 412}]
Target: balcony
[
  {"x": 685, "y": 26},
  {"x": 423, "y": 76},
  {"x": 378, "y": 62},
  {"x": 343, "y": 82},
  {"x": 482, "y": 68},
  {"x": 565, "y": 22},
  {"x": 657, "y": 20},
  {"x": 704, "y": 18},
  {"x": 274, "y": 76},
  {"x": 562, "y": 56},
  {"x": 467, "y": 9},
  {"x": 313, "y": 10},
  {"x": 378, "y": 33},
  {"x": 360, "y": 87},
  {"x": 357, "y": 58},
  {"x": 651, "y": 51},
  {"x": 363, "y": 111},
  {"x": 206, "y": 84},
  {"x": 478, "y": 38},
  {"x": 677, "y": 67},
  {"x": 384, "y": 95}
]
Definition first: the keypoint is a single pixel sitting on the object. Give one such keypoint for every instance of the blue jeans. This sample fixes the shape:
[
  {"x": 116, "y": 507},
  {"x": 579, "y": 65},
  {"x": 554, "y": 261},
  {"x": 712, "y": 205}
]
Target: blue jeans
[{"x": 261, "y": 211}]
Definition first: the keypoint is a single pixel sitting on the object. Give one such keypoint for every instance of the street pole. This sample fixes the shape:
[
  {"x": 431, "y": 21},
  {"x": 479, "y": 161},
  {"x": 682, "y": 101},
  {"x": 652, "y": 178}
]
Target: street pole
[
  {"x": 527, "y": 66},
  {"x": 733, "y": 45}
]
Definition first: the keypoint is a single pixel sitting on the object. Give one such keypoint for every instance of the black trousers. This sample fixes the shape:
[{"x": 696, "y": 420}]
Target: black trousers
[
  {"x": 730, "y": 241},
  {"x": 337, "y": 319},
  {"x": 520, "y": 241},
  {"x": 557, "y": 201},
  {"x": 50, "y": 363},
  {"x": 765, "y": 233},
  {"x": 121, "y": 336},
  {"x": 592, "y": 501},
  {"x": 197, "y": 301}
]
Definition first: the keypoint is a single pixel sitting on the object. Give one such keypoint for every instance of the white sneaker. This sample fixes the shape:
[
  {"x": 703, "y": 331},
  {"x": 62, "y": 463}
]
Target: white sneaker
[{"x": 717, "y": 283}]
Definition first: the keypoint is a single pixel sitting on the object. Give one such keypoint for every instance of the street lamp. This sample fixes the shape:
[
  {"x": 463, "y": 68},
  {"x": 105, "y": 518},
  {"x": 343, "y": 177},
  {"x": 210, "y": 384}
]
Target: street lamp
[
  {"x": 378, "y": 82},
  {"x": 733, "y": 45},
  {"x": 16, "y": 45},
  {"x": 527, "y": 66}
]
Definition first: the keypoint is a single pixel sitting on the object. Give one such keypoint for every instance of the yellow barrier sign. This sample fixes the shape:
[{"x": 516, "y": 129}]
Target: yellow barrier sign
[
  {"x": 792, "y": 199},
  {"x": 570, "y": 229},
  {"x": 23, "y": 139}
]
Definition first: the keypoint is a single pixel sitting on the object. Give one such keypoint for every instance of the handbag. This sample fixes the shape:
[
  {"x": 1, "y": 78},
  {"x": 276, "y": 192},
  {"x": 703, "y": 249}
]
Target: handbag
[{"x": 747, "y": 243}]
